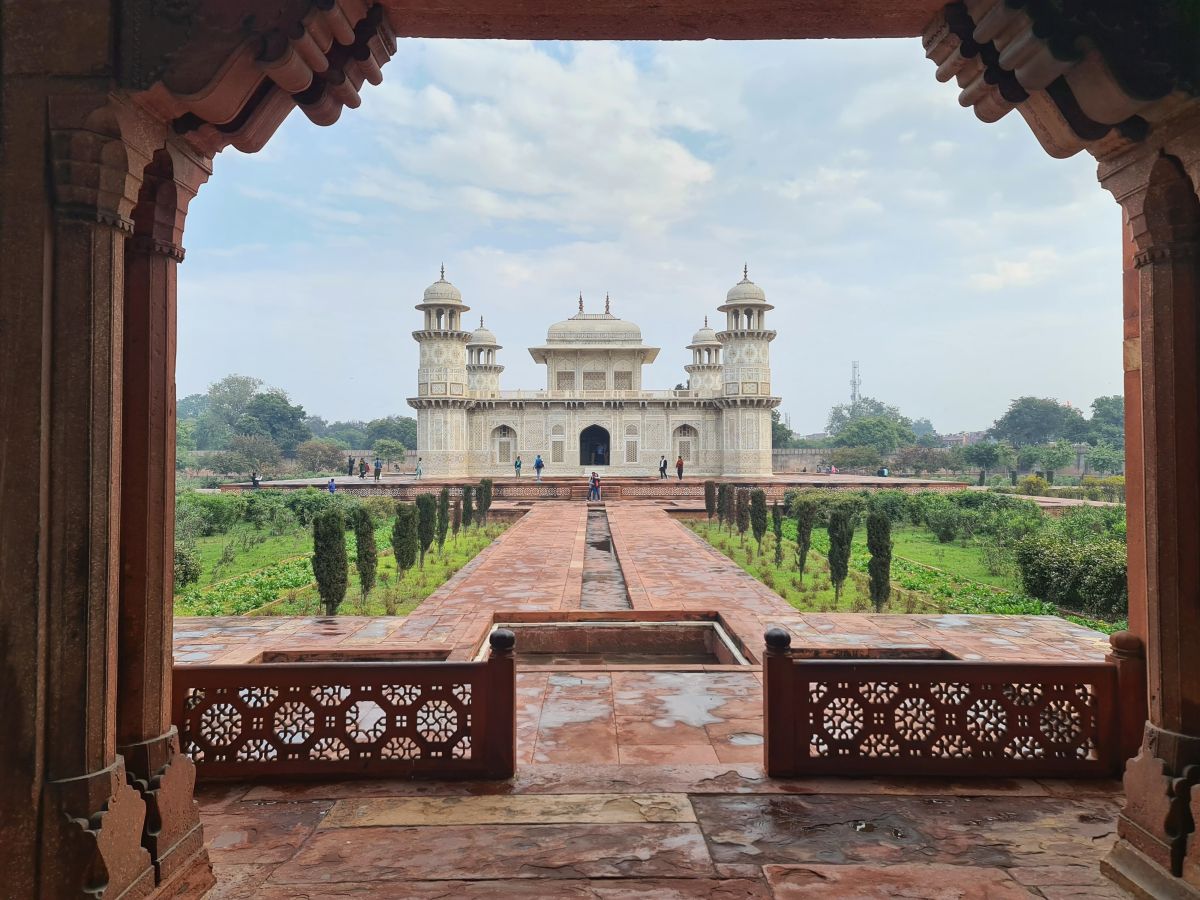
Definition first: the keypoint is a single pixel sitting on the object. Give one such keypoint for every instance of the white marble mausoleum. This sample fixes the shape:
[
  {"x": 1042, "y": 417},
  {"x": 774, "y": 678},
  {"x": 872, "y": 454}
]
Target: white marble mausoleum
[{"x": 594, "y": 410}]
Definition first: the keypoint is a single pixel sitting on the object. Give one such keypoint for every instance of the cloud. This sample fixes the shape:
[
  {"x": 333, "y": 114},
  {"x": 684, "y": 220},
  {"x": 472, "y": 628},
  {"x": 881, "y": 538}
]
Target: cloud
[{"x": 1036, "y": 266}]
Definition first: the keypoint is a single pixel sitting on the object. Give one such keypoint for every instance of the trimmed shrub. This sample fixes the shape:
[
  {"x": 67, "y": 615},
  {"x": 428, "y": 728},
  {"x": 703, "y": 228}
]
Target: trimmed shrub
[
  {"x": 1087, "y": 576},
  {"x": 329, "y": 562},
  {"x": 406, "y": 541},
  {"x": 483, "y": 500},
  {"x": 366, "y": 556},
  {"x": 213, "y": 513},
  {"x": 841, "y": 535},
  {"x": 426, "y": 523},
  {"x": 710, "y": 498},
  {"x": 777, "y": 529},
  {"x": 893, "y": 504},
  {"x": 187, "y": 565},
  {"x": 942, "y": 517},
  {"x": 742, "y": 512},
  {"x": 443, "y": 516},
  {"x": 805, "y": 508},
  {"x": 468, "y": 503},
  {"x": 758, "y": 515},
  {"x": 879, "y": 543}
]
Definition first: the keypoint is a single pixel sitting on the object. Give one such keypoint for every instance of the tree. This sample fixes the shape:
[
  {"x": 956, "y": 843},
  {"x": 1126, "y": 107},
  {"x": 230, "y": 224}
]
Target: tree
[
  {"x": 456, "y": 517},
  {"x": 366, "y": 555},
  {"x": 329, "y": 561},
  {"x": 352, "y": 435},
  {"x": 1107, "y": 424},
  {"x": 777, "y": 529},
  {"x": 426, "y": 523},
  {"x": 443, "y": 516},
  {"x": 805, "y": 508},
  {"x": 389, "y": 450},
  {"x": 319, "y": 456},
  {"x": 406, "y": 540},
  {"x": 741, "y": 502},
  {"x": 922, "y": 428},
  {"x": 251, "y": 453},
  {"x": 273, "y": 415},
  {"x": 402, "y": 429},
  {"x": 919, "y": 460},
  {"x": 1038, "y": 420},
  {"x": 985, "y": 454},
  {"x": 866, "y": 407},
  {"x": 710, "y": 498},
  {"x": 193, "y": 406},
  {"x": 185, "y": 435},
  {"x": 1056, "y": 456},
  {"x": 882, "y": 433},
  {"x": 841, "y": 535},
  {"x": 1105, "y": 459},
  {"x": 758, "y": 516},
  {"x": 781, "y": 434},
  {"x": 483, "y": 500},
  {"x": 725, "y": 505},
  {"x": 855, "y": 457},
  {"x": 879, "y": 542},
  {"x": 468, "y": 498}
]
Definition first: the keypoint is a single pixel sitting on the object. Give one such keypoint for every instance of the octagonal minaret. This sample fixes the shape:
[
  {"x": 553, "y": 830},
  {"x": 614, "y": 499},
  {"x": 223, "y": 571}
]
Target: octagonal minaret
[
  {"x": 704, "y": 373},
  {"x": 483, "y": 372},
  {"x": 441, "y": 401},
  {"x": 745, "y": 399}
]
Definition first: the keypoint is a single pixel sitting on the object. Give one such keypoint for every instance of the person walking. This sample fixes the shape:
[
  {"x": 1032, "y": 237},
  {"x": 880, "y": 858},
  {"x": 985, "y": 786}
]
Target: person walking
[
  {"x": 332, "y": 486},
  {"x": 538, "y": 465},
  {"x": 362, "y": 467},
  {"x": 350, "y": 467},
  {"x": 418, "y": 472},
  {"x": 679, "y": 468},
  {"x": 594, "y": 487},
  {"x": 378, "y": 468},
  {"x": 517, "y": 466},
  {"x": 662, "y": 467}
]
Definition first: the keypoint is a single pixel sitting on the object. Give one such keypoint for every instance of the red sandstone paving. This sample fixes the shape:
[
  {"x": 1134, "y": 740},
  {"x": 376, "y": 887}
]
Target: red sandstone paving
[
  {"x": 570, "y": 889},
  {"x": 919, "y": 882}
]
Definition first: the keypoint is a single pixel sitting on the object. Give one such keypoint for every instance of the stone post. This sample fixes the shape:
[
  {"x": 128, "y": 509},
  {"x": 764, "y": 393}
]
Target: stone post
[
  {"x": 779, "y": 706},
  {"x": 146, "y": 738},
  {"x": 500, "y": 719}
]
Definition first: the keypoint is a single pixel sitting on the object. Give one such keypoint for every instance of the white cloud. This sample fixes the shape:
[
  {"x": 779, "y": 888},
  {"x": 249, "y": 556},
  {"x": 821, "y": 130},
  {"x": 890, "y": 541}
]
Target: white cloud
[{"x": 1034, "y": 267}]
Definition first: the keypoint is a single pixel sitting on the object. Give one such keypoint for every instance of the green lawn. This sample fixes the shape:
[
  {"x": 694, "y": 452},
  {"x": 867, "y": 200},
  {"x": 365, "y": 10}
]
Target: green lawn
[
  {"x": 967, "y": 561},
  {"x": 246, "y": 572}
]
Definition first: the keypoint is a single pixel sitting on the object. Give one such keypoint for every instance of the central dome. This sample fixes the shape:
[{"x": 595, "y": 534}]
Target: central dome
[{"x": 594, "y": 328}]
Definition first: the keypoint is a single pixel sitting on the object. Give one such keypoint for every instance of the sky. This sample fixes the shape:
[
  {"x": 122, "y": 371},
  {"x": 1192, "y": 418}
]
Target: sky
[{"x": 956, "y": 261}]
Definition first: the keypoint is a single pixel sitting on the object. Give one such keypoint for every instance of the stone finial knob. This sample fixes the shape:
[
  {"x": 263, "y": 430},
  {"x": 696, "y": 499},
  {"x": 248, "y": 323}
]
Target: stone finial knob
[
  {"x": 1126, "y": 643},
  {"x": 778, "y": 639},
  {"x": 502, "y": 640}
]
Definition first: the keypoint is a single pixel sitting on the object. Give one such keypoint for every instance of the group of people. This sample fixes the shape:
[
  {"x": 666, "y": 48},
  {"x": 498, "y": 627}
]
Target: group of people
[
  {"x": 363, "y": 468},
  {"x": 662, "y": 468},
  {"x": 538, "y": 465}
]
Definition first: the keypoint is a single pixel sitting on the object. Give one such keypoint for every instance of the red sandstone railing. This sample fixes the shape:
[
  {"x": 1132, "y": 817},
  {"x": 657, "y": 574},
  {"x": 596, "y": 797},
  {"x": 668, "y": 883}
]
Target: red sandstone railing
[
  {"x": 407, "y": 719},
  {"x": 948, "y": 717}
]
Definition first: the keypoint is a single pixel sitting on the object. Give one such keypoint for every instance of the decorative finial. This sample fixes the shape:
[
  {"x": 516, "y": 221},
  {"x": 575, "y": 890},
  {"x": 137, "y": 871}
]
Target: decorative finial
[
  {"x": 581, "y": 301},
  {"x": 481, "y": 321},
  {"x": 745, "y": 271},
  {"x": 443, "y": 271},
  {"x": 706, "y": 321},
  {"x": 606, "y": 303}
]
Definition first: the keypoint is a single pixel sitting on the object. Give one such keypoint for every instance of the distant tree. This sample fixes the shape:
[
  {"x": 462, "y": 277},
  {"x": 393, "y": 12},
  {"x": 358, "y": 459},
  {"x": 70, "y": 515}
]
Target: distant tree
[
  {"x": 352, "y": 435},
  {"x": 725, "y": 505},
  {"x": 1006, "y": 458},
  {"x": 329, "y": 561},
  {"x": 1105, "y": 459},
  {"x": 426, "y": 523},
  {"x": 316, "y": 425},
  {"x": 879, "y": 543},
  {"x": 193, "y": 406},
  {"x": 273, "y": 415},
  {"x": 882, "y": 433},
  {"x": 985, "y": 454},
  {"x": 185, "y": 435},
  {"x": 396, "y": 428},
  {"x": 225, "y": 402},
  {"x": 781, "y": 434},
  {"x": 777, "y": 529},
  {"x": 1038, "y": 420},
  {"x": 710, "y": 498},
  {"x": 742, "y": 511},
  {"x": 483, "y": 500},
  {"x": 1107, "y": 424},
  {"x": 390, "y": 451},
  {"x": 320, "y": 456},
  {"x": 930, "y": 441},
  {"x": 366, "y": 555},
  {"x": 923, "y": 427},
  {"x": 468, "y": 501},
  {"x": 866, "y": 407},
  {"x": 187, "y": 564},
  {"x": 758, "y": 516},
  {"x": 443, "y": 516},
  {"x": 806, "y": 509},
  {"x": 1029, "y": 458},
  {"x": 252, "y": 453},
  {"x": 919, "y": 460},
  {"x": 456, "y": 517},
  {"x": 841, "y": 535},
  {"x": 406, "y": 538},
  {"x": 856, "y": 457},
  {"x": 1056, "y": 456}
]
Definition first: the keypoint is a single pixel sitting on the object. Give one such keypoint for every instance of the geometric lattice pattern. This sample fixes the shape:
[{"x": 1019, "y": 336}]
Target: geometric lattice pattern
[
  {"x": 304, "y": 719},
  {"x": 924, "y": 717}
]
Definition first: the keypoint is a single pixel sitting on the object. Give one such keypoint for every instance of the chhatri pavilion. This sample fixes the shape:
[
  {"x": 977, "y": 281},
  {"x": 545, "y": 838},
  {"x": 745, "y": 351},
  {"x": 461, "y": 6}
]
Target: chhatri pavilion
[{"x": 594, "y": 410}]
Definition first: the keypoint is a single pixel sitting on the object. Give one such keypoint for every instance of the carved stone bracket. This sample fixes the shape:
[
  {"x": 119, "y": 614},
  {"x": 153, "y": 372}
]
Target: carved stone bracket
[{"x": 1156, "y": 820}]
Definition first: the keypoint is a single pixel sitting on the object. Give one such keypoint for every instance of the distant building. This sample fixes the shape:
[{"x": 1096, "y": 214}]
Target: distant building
[
  {"x": 593, "y": 411},
  {"x": 962, "y": 439}
]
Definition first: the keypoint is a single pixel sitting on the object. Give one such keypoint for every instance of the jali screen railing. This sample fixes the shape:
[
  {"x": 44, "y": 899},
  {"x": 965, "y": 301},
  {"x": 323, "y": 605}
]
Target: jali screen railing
[
  {"x": 417, "y": 719},
  {"x": 940, "y": 717}
]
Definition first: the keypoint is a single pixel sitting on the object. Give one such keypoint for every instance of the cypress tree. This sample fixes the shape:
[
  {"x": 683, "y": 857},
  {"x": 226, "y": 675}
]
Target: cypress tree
[
  {"x": 710, "y": 498},
  {"x": 467, "y": 501},
  {"x": 483, "y": 500},
  {"x": 426, "y": 523},
  {"x": 879, "y": 542},
  {"x": 841, "y": 534},
  {"x": 443, "y": 517},
  {"x": 777, "y": 528},
  {"x": 456, "y": 517},
  {"x": 329, "y": 562},
  {"x": 366, "y": 556},
  {"x": 725, "y": 505},
  {"x": 405, "y": 539},
  {"x": 742, "y": 512},
  {"x": 805, "y": 510},
  {"x": 758, "y": 516}
]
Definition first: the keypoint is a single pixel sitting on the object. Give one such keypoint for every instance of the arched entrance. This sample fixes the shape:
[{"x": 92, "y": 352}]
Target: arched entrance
[
  {"x": 504, "y": 439},
  {"x": 686, "y": 444},
  {"x": 595, "y": 447}
]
